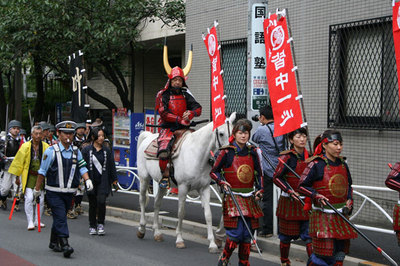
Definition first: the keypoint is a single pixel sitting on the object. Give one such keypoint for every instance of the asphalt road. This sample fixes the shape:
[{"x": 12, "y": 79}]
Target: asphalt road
[
  {"x": 360, "y": 248},
  {"x": 119, "y": 246}
]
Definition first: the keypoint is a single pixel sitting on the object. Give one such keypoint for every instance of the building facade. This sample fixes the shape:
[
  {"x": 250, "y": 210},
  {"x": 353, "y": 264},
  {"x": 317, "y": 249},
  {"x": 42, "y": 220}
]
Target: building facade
[{"x": 345, "y": 56}]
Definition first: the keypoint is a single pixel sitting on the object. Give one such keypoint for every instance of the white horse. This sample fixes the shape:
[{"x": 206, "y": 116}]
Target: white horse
[{"x": 191, "y": 173}]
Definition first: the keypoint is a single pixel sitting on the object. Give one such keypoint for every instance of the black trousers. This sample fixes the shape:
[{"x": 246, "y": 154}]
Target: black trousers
[
  {"x": 97, "y": 209},
  {"x": 267, "y": 208}
]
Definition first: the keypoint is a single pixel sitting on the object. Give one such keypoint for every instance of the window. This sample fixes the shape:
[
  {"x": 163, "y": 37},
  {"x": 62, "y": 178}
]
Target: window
[
  {"x": 234, "y": 64},
  {"x": 362, "y": 86}
]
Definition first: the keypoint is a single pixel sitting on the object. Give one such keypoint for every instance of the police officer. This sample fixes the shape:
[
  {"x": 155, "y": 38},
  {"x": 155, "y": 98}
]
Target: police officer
[
  {"x": 63, "y": 167},
  {"x": 10, "y": 148}
]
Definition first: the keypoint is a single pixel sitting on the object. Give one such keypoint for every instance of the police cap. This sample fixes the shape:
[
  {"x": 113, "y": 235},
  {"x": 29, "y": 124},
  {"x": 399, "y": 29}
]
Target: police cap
[{"x": 66, "y": 126}]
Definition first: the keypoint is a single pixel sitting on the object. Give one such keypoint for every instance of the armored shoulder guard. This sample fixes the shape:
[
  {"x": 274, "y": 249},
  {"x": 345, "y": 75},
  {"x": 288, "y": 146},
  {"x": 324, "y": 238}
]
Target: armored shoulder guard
[
  {"x": 287, "y": 152},
  {"x": 227, "y": 147},
  {"x": 315, "y": 157}
]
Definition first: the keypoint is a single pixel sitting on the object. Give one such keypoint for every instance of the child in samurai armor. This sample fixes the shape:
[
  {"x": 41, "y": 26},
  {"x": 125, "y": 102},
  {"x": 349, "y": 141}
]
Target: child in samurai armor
[
  {"x": 293, "y": 220},
  {"x": 393, "y": 182},
  {"x": 327, "y": 178},
  {"x": 238, "y": 167}
]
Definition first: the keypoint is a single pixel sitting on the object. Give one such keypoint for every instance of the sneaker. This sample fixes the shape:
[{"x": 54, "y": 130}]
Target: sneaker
[
  {"x": 92, "y": 231},
  {"x": 100, "y": 229},
  {"x": 31, "y": 226},
  {"x": 42, "y": 225}
]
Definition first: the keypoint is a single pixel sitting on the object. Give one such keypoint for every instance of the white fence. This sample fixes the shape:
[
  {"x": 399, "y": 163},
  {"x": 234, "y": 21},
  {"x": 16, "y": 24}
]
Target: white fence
[{"x": 276, "y": 191}]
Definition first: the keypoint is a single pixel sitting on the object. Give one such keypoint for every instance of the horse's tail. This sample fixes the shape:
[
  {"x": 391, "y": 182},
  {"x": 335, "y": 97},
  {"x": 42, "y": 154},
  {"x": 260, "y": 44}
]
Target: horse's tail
[{"x": 142, "y": 136}]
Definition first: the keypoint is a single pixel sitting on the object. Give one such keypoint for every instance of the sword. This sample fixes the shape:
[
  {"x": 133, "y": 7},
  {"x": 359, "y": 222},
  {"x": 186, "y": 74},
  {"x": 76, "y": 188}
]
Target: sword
[{"x": 380, "y": 250}]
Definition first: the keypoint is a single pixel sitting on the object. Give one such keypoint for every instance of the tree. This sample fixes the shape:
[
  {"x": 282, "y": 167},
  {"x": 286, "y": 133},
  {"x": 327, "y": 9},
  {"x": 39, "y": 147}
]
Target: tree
[{"x": 43, "y": 33}]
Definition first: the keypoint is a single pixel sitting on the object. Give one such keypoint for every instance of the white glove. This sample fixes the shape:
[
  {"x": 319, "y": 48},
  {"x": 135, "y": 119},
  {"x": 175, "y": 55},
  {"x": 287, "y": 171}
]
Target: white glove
[
  {"x": 89, "y": 185},
  {"x": 36, "y": 194}
]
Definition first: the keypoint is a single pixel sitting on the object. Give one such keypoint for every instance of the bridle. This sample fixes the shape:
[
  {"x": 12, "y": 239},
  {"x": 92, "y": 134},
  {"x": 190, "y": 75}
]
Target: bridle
[{"x": 217, "y": 135}]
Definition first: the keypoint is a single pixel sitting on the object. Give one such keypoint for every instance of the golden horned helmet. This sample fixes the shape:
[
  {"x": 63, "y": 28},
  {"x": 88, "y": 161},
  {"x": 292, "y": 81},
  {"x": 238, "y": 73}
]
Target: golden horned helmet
[{"x": 177, "y": 71}]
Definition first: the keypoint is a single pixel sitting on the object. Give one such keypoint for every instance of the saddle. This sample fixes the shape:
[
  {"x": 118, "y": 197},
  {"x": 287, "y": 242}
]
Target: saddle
[{"x": 179, "y": 136}]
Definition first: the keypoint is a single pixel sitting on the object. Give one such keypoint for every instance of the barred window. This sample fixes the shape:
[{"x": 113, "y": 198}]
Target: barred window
[
  {"x": 362, "y": 85},
  {"x": 234, "y": 64}
]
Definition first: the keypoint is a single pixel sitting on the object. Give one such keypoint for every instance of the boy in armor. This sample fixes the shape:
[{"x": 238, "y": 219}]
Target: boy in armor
[
  {"x": 238, "y": 166},
  {"x": 11, "y": 145}
]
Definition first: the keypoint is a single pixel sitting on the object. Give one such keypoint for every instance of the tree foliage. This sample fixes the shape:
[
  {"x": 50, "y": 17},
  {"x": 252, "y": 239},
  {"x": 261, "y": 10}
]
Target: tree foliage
[{"x": 42, "y": 33}]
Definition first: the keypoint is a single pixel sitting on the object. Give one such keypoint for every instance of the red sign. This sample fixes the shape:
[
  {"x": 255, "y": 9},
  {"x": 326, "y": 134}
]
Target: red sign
[
  {"x": 217, "y": 85},
  {"x": 281, "y": 76},
  {"x": 396, "y": 38}
]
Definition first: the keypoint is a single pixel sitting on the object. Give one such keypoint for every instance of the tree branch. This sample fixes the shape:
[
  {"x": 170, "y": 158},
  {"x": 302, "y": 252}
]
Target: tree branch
[{"x": 110, "y": 105}]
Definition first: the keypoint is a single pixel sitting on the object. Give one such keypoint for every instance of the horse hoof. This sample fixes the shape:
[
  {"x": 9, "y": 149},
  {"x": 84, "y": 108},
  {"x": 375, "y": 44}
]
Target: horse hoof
[
  {"x": 180, "y": 245},
  {"x": 140, "y": 234},
  {"x": 159, "y": 238},
  {"x": 213, "y": 250},
  {"x": 218, "y": 242}
]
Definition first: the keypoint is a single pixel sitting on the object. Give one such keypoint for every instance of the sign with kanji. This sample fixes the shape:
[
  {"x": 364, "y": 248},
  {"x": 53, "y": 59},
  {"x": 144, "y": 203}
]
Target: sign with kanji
[
  {"x": 76, "y": 71},
  {"x": 217, "y": 84},
  {"x": 281, "y": 76},
  {"x": 259, "y": 91}
]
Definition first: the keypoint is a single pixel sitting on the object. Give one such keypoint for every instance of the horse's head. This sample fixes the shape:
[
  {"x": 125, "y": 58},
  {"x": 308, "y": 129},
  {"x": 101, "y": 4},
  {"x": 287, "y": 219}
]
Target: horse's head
[{"x": 223, "y": 132}]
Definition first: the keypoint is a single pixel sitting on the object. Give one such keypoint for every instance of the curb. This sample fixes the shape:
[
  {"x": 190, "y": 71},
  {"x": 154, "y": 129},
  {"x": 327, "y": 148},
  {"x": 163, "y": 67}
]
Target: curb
[{"x": 268, "y": 245}]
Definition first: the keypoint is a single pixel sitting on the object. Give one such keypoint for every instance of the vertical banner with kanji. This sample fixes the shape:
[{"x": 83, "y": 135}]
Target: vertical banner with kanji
[
  {"x": 217, "y": 85},
  {"x": 76, "y": 71},
  {"x": 281, "y": 77},
  {"x": 396, "y": 39}
]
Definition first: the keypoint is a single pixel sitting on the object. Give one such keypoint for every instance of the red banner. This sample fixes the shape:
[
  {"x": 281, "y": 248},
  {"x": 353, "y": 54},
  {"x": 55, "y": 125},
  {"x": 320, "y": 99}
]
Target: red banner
[
  {"x": 217, "y": 85},
  {"x": 396, "y": 39},
  {"x": 281, "y": 77}
]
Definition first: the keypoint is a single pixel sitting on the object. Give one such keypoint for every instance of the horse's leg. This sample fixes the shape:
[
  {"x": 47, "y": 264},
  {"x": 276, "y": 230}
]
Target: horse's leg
[
  {"x": 205, "y": 202},
  {"x": 220, "y": 232},
  {"x": 157, "y": 204},
  {"x": 144, "y": 184},
  {"x": 183, "y": 190}
]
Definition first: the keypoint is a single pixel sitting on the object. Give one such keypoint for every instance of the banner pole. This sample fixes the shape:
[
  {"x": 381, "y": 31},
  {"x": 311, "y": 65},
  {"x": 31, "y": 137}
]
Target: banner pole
[{"x": 298, "y": 79}]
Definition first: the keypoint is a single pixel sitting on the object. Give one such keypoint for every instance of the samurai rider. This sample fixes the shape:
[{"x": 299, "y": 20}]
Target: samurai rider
[
  {"x": 238, "y": 167},
  {"x": 177, "y": 107}
]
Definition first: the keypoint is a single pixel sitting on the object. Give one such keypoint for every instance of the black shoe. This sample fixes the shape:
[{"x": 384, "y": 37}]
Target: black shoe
[
  {"x": 66, "y": 249},
  {"x": 54, "y": 243}
]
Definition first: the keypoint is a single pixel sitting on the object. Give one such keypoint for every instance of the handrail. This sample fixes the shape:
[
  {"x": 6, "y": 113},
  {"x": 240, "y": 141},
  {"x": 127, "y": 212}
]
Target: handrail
[{"x": 276, "y": 190}]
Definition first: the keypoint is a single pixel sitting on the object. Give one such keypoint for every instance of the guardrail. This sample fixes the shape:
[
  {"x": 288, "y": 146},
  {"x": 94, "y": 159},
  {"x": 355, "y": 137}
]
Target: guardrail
[
  {"x": 276, "y": 191},
  {"x": 133, "y": 170}
]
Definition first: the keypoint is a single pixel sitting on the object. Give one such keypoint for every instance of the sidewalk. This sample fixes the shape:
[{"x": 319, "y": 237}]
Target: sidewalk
[{"x": 268, "y": 245}]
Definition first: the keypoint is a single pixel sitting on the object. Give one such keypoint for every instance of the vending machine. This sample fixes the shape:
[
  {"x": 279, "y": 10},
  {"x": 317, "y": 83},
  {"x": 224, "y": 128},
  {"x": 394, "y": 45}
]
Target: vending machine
[{"x": 126, "y": 129}]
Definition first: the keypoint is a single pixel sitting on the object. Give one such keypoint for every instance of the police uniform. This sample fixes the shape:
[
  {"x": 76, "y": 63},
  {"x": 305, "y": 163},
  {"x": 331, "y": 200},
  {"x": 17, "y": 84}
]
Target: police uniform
[
  {"x": 63, "y": 168},
  {"x": 10, "y": 148}
]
